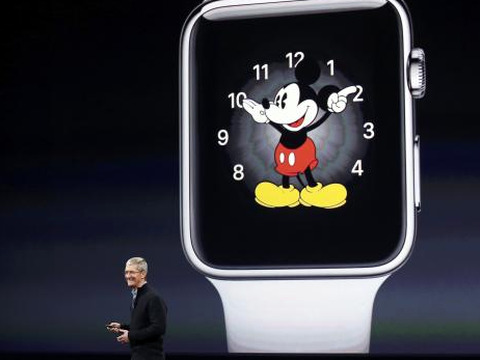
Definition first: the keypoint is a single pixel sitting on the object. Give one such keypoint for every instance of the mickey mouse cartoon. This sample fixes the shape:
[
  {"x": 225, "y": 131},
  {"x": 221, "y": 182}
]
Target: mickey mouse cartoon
[{"x": 295, "y": 111}]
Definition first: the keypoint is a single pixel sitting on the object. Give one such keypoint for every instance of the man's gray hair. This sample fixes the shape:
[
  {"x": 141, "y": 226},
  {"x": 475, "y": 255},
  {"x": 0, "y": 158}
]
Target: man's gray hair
[{"x": 139, "y": 262}]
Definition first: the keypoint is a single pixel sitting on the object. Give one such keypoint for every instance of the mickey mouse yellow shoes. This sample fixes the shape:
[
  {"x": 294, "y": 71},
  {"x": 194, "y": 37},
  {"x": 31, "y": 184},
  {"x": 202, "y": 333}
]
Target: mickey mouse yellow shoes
[
  {"x": 330, "y": 196},
  {"x": 270, "y": 195},
  {"x": 327, "y": 197}
]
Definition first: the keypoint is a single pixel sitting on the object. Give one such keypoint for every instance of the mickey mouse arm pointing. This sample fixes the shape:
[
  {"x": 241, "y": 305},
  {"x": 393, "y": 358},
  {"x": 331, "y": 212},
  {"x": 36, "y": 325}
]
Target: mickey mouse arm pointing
[{"x": 335, "y": 100}]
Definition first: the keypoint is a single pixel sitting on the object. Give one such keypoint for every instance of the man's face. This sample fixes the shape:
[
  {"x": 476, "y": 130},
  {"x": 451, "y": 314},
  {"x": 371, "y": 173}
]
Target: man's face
[{"x": 133, "y": 276}]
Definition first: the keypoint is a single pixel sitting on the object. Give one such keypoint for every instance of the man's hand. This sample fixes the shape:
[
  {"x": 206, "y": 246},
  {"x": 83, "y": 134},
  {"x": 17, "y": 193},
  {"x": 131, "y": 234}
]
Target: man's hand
[
  {"x": 124, "y": 337},
  {"x": 114, "y": 327}
]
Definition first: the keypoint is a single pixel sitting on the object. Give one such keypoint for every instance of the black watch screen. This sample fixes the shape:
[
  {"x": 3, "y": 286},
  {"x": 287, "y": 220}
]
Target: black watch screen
[{"x": 296, "y": 139}]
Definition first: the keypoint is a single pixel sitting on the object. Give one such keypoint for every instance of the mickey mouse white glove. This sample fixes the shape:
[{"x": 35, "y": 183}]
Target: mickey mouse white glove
[
  {"x": 337, "y": 102},
  {"x": 256, "y": 110}
]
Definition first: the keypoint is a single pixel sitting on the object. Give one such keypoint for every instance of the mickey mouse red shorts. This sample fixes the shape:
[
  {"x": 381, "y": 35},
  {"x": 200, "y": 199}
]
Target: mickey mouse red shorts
[{"x": 291, "y": 162}]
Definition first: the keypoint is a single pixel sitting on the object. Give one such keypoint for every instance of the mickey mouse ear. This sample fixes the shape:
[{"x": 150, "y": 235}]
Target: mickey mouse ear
[{"x": 307, "y": 71}]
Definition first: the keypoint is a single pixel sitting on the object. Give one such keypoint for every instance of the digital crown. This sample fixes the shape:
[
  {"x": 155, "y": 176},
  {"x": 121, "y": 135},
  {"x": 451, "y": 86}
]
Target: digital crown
[{"x": 417, "y": 76}]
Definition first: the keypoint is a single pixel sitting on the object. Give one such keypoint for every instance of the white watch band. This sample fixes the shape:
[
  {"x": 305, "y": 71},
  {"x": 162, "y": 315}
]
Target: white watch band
[{"x": 298, "y": 316}]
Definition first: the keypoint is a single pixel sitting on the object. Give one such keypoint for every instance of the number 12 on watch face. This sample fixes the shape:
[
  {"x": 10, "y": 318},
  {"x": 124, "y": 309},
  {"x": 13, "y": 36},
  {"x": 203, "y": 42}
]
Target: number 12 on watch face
[{"x": 295, "y": 105}]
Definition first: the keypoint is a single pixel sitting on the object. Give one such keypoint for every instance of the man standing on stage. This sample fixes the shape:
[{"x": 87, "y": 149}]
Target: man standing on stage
[{"x": 148, "y": 315}]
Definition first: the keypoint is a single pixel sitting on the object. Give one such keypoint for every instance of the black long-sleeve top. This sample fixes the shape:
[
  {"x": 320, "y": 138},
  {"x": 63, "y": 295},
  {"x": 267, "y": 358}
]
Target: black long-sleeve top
[{"x": 148, "y": 324}]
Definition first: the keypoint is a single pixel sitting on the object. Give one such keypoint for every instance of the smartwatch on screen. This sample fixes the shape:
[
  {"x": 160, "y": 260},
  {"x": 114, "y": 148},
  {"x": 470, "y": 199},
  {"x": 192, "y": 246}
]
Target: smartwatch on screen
[{"x": 300, "y": 180}]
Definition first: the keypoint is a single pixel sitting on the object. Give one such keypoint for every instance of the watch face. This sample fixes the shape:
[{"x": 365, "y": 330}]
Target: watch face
[{"x": 295, "y": 133}]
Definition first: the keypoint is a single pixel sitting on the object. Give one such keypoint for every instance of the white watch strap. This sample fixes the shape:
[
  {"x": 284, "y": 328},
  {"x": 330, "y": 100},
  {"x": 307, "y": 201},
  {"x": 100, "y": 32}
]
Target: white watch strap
[{"x": 298, "y": 316}]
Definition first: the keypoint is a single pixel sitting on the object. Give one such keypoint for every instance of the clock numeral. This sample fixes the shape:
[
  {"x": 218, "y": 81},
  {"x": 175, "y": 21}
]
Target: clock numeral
[
  {"x": 290, "y": 56},
  {"x": 357, "y": 168},
  {"x": 258, "y": 71},
  {"x": 369, "y": 130},
  {"x": 236, "y": 99},
  {"x": 331, "y": 64},
  {"x": 238, "y": 174},
  {"x": 222, "y": 137},
  {"x": 357, "y": 97}
]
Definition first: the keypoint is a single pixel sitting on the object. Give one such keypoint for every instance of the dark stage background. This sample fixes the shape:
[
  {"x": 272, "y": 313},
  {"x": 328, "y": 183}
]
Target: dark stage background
[{"x": 89, "y": 177}]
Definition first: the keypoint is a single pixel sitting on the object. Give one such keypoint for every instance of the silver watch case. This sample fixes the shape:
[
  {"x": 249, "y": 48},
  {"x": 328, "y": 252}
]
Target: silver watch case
[{"x": 232, "y": 9}]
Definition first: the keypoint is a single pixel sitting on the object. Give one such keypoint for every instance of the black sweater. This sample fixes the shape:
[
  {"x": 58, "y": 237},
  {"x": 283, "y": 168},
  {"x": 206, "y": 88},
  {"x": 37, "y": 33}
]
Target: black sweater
[{"x": 148, "y": 323}]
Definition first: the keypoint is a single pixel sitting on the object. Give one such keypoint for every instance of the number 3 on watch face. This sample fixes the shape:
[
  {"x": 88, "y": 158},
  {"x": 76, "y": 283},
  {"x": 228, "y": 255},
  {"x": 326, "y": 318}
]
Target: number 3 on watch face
[{"x": 280, "y": 142}]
